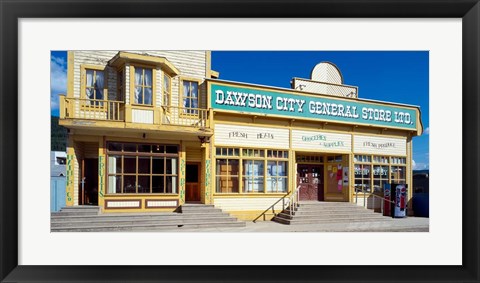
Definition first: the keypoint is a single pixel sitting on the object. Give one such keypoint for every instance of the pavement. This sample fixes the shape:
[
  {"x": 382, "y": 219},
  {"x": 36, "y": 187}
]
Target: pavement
[{"x": 408, "y": 224}]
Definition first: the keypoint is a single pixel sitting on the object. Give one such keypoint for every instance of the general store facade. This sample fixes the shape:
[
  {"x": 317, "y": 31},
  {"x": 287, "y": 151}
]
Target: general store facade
[{"x": 150, "y": 131}]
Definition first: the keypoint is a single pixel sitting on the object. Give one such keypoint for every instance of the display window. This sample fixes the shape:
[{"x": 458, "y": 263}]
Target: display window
[
  {"x": 247, "y": 170},
  {"x": 378, "y": 170},
  {"x": 142, "y": 168}
]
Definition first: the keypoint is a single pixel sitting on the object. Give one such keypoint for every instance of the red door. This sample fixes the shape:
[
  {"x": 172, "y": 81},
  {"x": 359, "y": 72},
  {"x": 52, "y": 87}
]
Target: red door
[{"x": 310, "y": 180}]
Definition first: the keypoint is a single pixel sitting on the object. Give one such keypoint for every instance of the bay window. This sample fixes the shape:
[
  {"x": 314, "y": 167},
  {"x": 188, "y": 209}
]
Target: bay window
[{"x": 143, "y": 86}]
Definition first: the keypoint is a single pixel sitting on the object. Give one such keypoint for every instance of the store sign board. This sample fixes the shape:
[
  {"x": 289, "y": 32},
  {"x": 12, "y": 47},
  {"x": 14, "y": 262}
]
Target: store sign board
[
  {"x": 251, "y": 136},
  {"x": 379, "y": 145},
  {"x": 250, "y": 100},
  {"x": 321, "y": 141}
]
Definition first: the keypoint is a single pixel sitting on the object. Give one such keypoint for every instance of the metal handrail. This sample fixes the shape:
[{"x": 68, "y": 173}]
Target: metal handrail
[
  {"x": 292, "y": 201},
  {"x": 374, "y": 196}
]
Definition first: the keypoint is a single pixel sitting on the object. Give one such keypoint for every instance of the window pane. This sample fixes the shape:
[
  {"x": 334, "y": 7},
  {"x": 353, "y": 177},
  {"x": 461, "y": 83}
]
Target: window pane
[
  {"x": 144, "y": 165},
  {"x": 171, "y": 149},
  {"x": 89, "y": 78},
  {"x": 129, "y": 184},
  {"x": 113, "y": 146},
  {"x": 171, "y": 185},
  {"x": 233, "y": 184},
  {"x": 138, "y": 95},
  {"x": 129, "y": 147},
  {"x": 253, "y": 175},
  {"x": 171, "y": 166},
  {"x": 147, "y": 99},
  {"x": 186, "y": 103},
  {"x": 194, "y": 89},
  {"x": 114, "y": 184},
  {"x": 148, "y": 77},
  {"x": 366, "y": 171},
  {"x": 129, "y": 164},
  {"x": 90, "y": 93},
  {"x": 114, "y": 164},
  {"x": 158, "y": 148},
  {"x": 99, "y": 85},
  {"x": 166, "y": 83},
  {"x": 233, "y": 165},
  {"x": 143, "y": 184},
  {"x": 186, "y": 88},
  {"x": 157, "y": 184},
  {"x": 194, "y": 103},
  {"x": 138, "y": 76},
  {"x": 221, "y": 167},
  {"x": 158, "y": 166},
  {"x": 282, "y": 185},
  {"x": 144, "y": 148}
]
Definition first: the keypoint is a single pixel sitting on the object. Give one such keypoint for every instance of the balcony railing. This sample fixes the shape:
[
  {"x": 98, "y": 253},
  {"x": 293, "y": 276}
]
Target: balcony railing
[
  {"x": 93, "y": 109},
  {"x": 181, "y": 116},
  {"x": 108, "y": 110}
]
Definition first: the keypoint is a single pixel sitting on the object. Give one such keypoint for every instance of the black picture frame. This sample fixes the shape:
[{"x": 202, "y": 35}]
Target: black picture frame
[{"x": 11, "y": 11}]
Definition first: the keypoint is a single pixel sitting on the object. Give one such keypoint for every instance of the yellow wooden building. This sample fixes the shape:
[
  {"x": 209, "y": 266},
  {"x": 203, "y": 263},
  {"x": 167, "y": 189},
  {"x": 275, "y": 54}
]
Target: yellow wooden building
[{"x": 152, "y": 130}]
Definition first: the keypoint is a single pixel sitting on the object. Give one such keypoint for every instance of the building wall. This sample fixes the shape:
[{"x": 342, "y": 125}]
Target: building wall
[
  {"x": 191, "y": 64},
  {"x": 347, "y": 141}
]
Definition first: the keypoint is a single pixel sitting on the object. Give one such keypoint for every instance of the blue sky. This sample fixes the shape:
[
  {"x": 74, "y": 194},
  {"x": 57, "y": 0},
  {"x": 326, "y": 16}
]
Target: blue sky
[{"x": 394, "y": 76}]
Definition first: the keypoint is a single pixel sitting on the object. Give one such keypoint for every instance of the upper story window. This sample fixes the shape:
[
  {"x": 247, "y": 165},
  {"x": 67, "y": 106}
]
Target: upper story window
[
  {"x": 94, "y": 87},
  {"x": 167, "y": 90},
  {"x": 190, "y": 96},
  {"x": 143, "y": 86}
]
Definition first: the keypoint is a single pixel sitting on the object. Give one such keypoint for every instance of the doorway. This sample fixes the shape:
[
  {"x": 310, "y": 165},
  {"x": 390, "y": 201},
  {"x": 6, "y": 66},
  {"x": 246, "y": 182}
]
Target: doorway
[
  {"x": 89, "y": 182},
  {"x": 192, "y": 182},
  {"x": 310, "y": 180}
]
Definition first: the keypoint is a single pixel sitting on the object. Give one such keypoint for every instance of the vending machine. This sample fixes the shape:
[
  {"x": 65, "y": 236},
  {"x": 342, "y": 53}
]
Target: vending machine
[
  {"x": 395, "y": 202},
  {"x": 400, "y": 209}
]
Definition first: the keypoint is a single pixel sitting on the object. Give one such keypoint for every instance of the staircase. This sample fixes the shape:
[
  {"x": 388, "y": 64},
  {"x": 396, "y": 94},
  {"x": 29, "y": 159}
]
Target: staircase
[
  {"x": 89, "y": 219},
  {"x": 328, "y": 212}
]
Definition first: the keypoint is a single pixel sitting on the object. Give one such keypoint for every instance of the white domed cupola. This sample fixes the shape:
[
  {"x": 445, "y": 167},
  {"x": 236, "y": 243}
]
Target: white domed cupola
[{"x": 326, "y": 79}]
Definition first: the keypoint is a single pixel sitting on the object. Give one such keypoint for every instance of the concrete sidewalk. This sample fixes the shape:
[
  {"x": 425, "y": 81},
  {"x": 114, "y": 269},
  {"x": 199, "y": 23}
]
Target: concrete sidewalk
[{"x": 409, "y": 224}]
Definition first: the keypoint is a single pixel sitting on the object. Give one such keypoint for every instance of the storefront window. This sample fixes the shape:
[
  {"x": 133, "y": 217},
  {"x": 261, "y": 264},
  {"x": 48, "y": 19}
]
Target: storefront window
[
  {"x": 380, "y": 177},
  {"x": 246, "y": 170},
  {"x": 277, "y": 176},
  {"x": 385, "y": 170},
  {"x": 227, "y": 176},
  {"x": 398, "y": 174},
  {"x": 142, "y": 168},
  {"x": 362, "y": 178},
  {"x": 253, "y": 176}
]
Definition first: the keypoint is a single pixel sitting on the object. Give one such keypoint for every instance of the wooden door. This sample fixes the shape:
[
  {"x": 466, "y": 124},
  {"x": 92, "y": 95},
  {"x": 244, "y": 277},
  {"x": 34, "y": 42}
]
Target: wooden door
[
  {"x": 192, "y": 184},
  {"x": 310, "y": 180},
  {"x": 334, "y": 182}
]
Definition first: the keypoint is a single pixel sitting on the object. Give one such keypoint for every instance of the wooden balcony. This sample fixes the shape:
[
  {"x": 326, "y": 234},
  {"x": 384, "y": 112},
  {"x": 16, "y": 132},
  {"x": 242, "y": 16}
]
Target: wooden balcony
[{"x": 117, "y": 113}]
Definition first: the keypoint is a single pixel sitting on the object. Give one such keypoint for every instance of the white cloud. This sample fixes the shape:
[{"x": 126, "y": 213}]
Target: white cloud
[
  {"x": 58, "y": 79},
  {"x": 419, "y": 166},
  {"x": 426, "y": 131}
]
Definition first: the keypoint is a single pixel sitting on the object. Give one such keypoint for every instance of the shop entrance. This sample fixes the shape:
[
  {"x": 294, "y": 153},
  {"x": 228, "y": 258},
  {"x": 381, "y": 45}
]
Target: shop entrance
[
  {"x": 336, "y": 176},
  {"x": 310, "y": 180},
  {"x": 89, "y": 182},
  {"x": 192, "y": 183}
]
